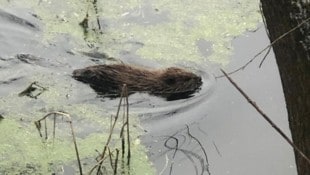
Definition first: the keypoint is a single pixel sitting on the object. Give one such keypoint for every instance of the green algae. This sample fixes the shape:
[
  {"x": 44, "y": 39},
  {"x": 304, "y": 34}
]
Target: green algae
[
  {"x": 215, "y": 21},
  {"x": 170, "y": 41},
  {"x": 23, "y": 151},
  {"x": 21, "y": 146}
]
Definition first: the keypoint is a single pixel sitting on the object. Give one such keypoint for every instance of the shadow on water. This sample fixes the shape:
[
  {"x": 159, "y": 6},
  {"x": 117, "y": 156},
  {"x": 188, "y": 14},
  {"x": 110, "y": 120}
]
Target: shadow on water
[{"x": 213, "y": 132}]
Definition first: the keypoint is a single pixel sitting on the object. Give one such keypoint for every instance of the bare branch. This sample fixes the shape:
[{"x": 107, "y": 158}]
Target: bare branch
[{"x": 266, "y": 117}]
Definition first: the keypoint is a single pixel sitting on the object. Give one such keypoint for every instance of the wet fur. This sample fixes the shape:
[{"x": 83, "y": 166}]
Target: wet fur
[{"x": 172, "y": 83}]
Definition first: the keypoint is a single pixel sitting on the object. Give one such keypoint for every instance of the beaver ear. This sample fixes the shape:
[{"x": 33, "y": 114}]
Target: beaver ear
[{"x": 170, "y": 80}]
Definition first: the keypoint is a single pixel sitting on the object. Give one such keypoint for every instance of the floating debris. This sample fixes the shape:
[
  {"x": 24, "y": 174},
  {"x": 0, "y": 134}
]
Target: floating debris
[{"x": 33, "y": 90}]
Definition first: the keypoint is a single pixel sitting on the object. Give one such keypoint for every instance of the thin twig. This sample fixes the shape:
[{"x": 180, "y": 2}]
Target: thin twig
[
  {"x": 266, "y": 117},
  {"x": 97, "y": 15},
  {"x": 45, "y": 127},
  {"x": 99, "y": 163},
  {"x": 123, "y": 140},
  {"x": 75, "y": 147},
  {"x": 267, "y": 47},
  {"x": 111, "y": 132},
  {"x": 203, "y": 150},
  {"x": 38, "y": 126},
  {"x": 116, "y": 162},
  {"x": 122, "y": 136},
  {"x": 127, "y": 123},
  {"x": 166, "y": 165},
  {"x": 111, "y": 160},
  {"x": 264, "y": 58},
  {"x": 217, "y": 150},
  {"x": 54, "y": 127},
  {"x": 190, "y": 155},
  {"x": 176, "y": 148},
  {"x": 267, "y": 33}
]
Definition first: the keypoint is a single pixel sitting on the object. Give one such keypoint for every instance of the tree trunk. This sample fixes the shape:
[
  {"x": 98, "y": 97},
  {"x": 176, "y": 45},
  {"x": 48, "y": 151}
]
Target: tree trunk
[{"x": 293, "y": 59}]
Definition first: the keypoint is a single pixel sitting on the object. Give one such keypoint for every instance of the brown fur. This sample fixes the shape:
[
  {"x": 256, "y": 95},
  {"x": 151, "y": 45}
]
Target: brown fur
[{"x": 170, "y": 83}]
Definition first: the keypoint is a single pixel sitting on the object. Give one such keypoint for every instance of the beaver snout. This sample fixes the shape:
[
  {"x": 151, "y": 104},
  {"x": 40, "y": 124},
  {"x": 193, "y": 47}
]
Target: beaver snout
[
  {"x": 77, "y": 73},
  {"x": 84, "y": 75}
]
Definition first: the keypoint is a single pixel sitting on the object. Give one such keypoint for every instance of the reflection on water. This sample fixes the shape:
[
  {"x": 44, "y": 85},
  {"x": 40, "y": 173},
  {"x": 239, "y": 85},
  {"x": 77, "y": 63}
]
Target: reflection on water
[{"x": 213, "y": 132}]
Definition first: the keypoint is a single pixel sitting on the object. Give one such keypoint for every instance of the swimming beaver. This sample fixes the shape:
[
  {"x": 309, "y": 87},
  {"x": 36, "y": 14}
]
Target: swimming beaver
[{"x": 172, "y": 83}]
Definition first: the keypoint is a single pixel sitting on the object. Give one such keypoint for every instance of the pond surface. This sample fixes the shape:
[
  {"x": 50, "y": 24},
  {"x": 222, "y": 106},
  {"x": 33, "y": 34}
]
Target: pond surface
[{"x": 214, "y": 132}]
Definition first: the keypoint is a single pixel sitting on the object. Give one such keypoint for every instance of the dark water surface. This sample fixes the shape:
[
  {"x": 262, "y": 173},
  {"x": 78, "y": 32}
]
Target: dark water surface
[
  {"x": 215, "y": 132},
  {"x": 236, "y": 139}
]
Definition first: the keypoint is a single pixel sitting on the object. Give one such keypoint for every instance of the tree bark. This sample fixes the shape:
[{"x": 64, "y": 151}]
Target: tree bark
[{"x": 293, "y": 59}]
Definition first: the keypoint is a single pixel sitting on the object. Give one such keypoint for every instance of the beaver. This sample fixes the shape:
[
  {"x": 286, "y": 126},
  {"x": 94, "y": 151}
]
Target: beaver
[{"x": 171, "y": 83}]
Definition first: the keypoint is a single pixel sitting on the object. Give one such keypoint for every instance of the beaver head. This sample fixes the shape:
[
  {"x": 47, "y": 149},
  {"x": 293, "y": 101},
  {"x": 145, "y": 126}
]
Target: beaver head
[
  {"x": 176, "y": 81},
  {"x": 84, "y": 75}
]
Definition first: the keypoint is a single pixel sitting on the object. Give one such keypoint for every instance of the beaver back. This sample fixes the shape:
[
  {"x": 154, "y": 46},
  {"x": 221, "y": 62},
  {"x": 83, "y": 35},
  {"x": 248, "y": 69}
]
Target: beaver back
[{"x": 109, "y": 79}]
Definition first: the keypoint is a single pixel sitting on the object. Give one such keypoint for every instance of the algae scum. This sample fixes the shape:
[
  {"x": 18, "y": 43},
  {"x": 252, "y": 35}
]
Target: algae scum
[{"x": 49, "y": 34}]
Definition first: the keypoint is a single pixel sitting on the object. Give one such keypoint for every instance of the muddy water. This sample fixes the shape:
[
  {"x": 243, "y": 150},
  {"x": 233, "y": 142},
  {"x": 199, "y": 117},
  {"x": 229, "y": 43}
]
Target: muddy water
[{"x": 214, "y": 132}]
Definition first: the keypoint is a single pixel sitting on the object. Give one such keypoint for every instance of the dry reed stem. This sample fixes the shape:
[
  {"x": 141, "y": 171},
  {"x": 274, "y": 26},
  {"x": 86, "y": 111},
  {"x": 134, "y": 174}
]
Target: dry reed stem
[
  {"x": 38, "y": 125},
  {"x": 116, "y": 162},
  {"x": 127, "y": 123},
  {"x": 110, "y": 157},
  {"x": 111, "y": 132}
]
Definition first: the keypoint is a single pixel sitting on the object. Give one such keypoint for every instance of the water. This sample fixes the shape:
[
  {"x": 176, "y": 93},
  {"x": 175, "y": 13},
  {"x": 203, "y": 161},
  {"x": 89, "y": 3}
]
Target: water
[{"x": 43, "y": 42}]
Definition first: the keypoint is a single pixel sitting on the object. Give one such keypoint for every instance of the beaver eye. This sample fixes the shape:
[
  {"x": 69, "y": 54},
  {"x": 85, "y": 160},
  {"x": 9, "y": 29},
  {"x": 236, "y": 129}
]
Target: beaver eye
[{"x": 170, "y": 81}]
